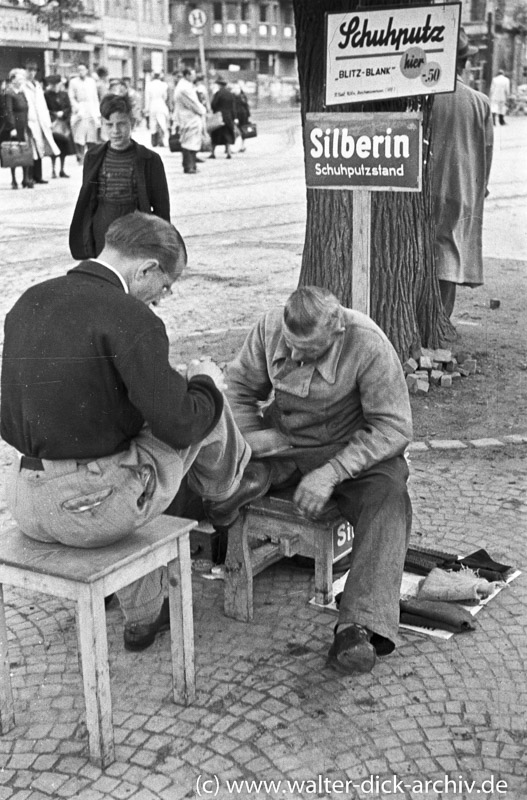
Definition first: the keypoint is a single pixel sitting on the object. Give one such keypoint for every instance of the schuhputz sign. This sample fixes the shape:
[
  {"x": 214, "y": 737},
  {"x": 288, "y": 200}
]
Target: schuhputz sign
[
  {"x": 387, "y": 53},
  {"x": 376, "y": 151}
]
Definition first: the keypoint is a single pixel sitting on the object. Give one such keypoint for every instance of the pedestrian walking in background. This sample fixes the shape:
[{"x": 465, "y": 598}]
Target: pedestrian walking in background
[
  {"x": 156, "y": 109},
  {"x": 38, "y": 122},
  {"x": 203, "y": 92},
  {"x": 500, "y": 92},
  {"x": 101, "y": 82},
  {"x": 59, "y": 107},
  {"x": 15, "y": 125},
  {"x": 462, "y": 138},
  {"x": 242, "y": 111},
  {"x": 119, "y": 176},
  {"x": 189, "y": 117},
  {"x": 223, "y": 101},
  {"x": 85, "y": 117},
  {"x": 134, "y": 98}
]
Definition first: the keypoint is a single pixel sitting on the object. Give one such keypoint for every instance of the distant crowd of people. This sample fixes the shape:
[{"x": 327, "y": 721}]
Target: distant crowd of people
[{"x": 61, "y": 117}]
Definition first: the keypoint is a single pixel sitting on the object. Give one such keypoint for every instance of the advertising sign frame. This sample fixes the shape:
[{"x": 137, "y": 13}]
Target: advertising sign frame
[
  {"x": 390, "y": 52},
  {"x": 376, "y": 151}
]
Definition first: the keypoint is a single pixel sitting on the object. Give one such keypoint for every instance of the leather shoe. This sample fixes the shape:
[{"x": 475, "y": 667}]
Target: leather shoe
[
  {"x": 41, "y": 181},
  {"x": 139, "y": 636},
  {"x": 352, "y": 651},
  {"x": 255, "y": 482}
]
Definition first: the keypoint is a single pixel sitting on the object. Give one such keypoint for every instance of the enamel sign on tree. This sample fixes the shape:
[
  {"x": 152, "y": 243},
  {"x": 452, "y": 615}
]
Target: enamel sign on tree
[{"x": 393, "y": 52}]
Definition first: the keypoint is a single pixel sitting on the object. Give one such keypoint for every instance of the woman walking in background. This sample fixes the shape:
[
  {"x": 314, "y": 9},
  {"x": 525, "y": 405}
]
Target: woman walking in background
[
  {"x": 59, "y": 107},
  {"x": 242, "y": 112},
  {"x": 16, "y": 109},
  {"x": 119, "y": 176},
  {"x": 223, "y": 101}
]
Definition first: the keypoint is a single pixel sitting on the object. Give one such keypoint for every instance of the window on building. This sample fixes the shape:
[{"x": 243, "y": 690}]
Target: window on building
[
  {"x": 287, "y": 15},
  {"x": 478, "y": 9},
  {"x": 231, "y": 11},
  {"x": 217, "y": 12},
  {"x": 245, "y": 12},
  {"x": 264, "y": 13}
]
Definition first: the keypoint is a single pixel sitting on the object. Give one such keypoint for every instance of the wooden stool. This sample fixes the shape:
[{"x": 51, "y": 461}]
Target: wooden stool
[
  {"x": 269, "y": 529},
  {"x": 88, "y": 576}
]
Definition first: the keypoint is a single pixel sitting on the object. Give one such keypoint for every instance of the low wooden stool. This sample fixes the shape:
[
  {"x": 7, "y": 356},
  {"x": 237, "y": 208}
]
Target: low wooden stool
[
  {"x": 88, "y": 576},
  {"x": 269, "y": 529}
]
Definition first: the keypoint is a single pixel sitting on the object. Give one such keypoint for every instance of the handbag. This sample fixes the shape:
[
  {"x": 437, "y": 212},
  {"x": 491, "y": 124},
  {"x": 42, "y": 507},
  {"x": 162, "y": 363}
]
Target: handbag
[
  {"x": 249, "y": 130},
  {"x": 174, "y": 142},
  {"x": 214, "y": 121},
  {"x": 206, "y": 143},
  {"x": 60, "y": 128},
  {"x": 16, "y": 154}
]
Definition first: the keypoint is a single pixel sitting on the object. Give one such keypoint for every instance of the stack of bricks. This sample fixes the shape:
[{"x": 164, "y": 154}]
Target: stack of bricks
[{"x": 437, "y": 367}]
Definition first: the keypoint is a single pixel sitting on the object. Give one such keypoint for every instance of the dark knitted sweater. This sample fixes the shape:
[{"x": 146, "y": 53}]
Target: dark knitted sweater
[{"x": 85, "y": 365}]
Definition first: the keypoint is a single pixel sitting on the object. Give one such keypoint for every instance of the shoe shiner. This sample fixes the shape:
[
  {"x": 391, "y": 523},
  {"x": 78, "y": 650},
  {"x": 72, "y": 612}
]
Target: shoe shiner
[{"x": 336, "y": 403}]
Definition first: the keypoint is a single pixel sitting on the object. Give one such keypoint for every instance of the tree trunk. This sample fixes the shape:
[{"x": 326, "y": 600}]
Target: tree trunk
[{"x": 405, "y": 298}]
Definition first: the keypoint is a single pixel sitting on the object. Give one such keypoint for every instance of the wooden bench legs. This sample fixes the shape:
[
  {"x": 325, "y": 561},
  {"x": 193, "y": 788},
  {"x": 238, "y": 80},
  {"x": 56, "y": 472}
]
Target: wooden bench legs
[
  {"x": 181, "y": 626},
  {"x": 238, "y": 588},
  {"x": 86, "y": 577},
  {"x": 7, "y": 708},
  {"x": 269, "y": 529}
]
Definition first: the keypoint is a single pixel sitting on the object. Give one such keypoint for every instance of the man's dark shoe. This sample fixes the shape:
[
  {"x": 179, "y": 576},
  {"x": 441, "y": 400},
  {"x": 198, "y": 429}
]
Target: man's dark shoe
[
  {"x": 351, "y": 651},
  {"x": 138, "y": 636},
  {"x": 255, "y": 483}
]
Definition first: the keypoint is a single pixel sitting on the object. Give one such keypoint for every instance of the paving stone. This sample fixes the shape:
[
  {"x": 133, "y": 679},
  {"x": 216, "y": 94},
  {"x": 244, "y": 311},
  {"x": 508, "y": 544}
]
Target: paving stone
[{"x": 447, "y": 444}]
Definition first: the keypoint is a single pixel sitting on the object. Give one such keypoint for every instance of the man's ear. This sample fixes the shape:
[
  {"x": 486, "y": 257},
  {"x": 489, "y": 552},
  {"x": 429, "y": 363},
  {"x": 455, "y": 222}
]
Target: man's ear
[{"x": 145, "y": 267}]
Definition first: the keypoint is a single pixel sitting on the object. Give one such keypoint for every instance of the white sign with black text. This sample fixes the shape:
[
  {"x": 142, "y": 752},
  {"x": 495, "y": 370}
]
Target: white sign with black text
[{"x": 391, "y": 52}]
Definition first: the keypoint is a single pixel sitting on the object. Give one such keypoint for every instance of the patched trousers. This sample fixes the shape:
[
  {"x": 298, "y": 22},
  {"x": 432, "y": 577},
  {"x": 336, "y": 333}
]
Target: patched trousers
[{"x": 95, "y": 503}]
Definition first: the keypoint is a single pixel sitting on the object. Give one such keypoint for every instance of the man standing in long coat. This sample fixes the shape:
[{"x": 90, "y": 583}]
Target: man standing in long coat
[{"x": 462, "y": 137}]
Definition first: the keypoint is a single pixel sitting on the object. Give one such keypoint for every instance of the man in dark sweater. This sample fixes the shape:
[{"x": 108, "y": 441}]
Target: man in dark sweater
[{"x": 103, "y": 428}]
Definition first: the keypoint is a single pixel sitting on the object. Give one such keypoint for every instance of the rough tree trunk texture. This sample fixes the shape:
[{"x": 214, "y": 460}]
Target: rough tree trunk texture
[{"x": 405, "y": 298}]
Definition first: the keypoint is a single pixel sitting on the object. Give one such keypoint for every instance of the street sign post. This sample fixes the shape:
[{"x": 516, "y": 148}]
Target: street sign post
[{"x": 198, "y": 19}]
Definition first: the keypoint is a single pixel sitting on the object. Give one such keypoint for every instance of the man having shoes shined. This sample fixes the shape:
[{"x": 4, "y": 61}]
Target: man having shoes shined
[{"x": 103, "y": 428}]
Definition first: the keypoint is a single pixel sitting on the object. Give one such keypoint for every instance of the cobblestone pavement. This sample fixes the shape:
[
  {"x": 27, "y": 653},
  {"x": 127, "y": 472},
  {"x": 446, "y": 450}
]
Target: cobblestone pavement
[{"x": 268, "y": 709}]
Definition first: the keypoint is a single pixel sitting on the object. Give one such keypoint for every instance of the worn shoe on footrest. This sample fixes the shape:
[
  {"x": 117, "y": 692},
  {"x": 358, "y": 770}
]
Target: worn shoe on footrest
[
  {"x": 255, "y": 482},
  {"x": 138, "y": 636},
  {"x": 351, "y": 651}
]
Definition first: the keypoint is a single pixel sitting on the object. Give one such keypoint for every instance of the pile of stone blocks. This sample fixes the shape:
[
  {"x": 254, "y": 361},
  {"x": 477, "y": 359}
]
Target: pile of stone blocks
[{"x": 438, "y": 368}]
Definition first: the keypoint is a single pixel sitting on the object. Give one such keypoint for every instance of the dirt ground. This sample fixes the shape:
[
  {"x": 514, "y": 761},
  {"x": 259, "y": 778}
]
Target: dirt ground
[{"x": 488, "y": 404}]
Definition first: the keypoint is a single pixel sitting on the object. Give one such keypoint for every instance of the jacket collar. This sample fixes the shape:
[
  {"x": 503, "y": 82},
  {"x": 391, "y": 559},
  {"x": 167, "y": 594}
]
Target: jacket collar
[
  {"x": 141, "y": 151},
  {"x": 97, "y": 270},
  {"x": 325, "y": 366}
]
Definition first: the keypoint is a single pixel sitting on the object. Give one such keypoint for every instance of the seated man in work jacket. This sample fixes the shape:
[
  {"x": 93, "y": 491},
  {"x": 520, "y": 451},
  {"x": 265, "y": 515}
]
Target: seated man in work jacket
[{"x": 338, "y": 407}]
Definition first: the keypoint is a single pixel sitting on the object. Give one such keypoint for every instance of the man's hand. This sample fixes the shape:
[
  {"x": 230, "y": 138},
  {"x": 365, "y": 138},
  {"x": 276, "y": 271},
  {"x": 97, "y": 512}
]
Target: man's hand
[
  {"x": 315, "y": 489},
  {"x": 207, "y": 367}
]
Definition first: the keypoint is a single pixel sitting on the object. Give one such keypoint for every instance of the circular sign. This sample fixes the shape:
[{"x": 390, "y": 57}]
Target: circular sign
[
  {"x": 197, "y": 18},
  {"x": 413, "y": 62}
]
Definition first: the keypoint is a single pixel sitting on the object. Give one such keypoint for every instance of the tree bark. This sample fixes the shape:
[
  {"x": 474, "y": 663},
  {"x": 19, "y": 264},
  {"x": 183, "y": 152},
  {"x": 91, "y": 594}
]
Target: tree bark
[{"x": 405, "y": 300}]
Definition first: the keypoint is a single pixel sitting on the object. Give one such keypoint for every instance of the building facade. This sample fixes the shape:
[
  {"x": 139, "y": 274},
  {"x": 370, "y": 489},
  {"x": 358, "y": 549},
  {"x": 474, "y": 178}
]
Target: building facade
[
  {"x": 129, "y": 37},
  {"x": 253, "y": 40}
]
